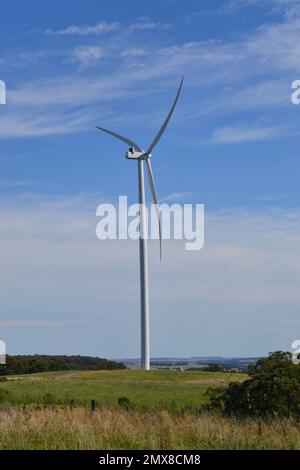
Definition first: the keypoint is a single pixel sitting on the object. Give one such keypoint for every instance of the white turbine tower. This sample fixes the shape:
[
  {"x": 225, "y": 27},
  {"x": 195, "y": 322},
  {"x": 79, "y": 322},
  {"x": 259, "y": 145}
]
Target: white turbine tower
[{"x": 136, "y": 153}]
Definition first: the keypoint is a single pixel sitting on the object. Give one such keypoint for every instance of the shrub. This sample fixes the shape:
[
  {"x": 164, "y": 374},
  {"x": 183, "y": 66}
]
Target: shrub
[
  {"x": 125, "y": 403},
  {"x": 4, "y": 395},
  {"x": 273, "y": 389}
]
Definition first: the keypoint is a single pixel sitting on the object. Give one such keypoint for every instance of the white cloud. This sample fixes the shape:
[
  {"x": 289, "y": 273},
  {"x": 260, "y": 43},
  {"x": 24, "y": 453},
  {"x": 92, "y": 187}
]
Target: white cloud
[
  {"x": 85, "y": 30},
  {"x": 237, "y": 133},
  {"x": 33, "y": 323},
  {"x": 33, "y": 123},
  {"x": 52, "y": 244},
  {"x": 69, "y": 90},
  {"x": 176, "y": 197},
  {"x": 53, "y": 269},
  {"x": 87, "y": 55},
  {"x": 276, "y": 45},
  {"x": 134, "y": 52},
  {"x": 221, "y": 77},
  {"x": 265, "y": 95},
  {"x": 273, "y": 5},
  {"x": 231, "y": 7},
  {"x": 102, "y": 27},
  {"x": 145, "y": 24},
  {"x": 8, "y": 184}
]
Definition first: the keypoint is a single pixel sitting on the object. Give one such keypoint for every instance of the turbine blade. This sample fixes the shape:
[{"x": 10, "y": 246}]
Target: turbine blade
[
  {"x": 163, "y": 127},
  {"x": 154, "y": 196},
  {"x": 120, "y": 137}
]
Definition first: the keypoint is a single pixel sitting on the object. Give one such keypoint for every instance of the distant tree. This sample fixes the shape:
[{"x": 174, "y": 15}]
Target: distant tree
[
  {"x": 273, "y": 389},
  {"x": 43, "y": 363},
  {"x": 214, "y": 367},
  {"x": 280, "y": 356}
]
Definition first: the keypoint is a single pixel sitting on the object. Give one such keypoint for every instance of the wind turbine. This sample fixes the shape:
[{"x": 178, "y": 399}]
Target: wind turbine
[{"x": 135, "y": 152}]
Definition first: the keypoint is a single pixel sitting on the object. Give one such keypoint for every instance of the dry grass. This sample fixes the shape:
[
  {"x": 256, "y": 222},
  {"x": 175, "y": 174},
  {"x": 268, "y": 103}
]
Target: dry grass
[{"x": 111, "y": 428}]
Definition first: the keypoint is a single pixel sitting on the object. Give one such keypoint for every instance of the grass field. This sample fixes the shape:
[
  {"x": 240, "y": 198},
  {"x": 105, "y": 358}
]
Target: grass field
[
  {"x": 112, "y": 428},
  {"x": 166, "y": 413},
  {"x": 153, "y": 390}
]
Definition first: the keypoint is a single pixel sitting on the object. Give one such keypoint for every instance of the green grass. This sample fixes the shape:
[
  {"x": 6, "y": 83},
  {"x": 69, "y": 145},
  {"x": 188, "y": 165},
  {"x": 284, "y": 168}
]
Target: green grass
[
  {"x": 147, "y": 390},
  {"x": 49, "y": 422}
]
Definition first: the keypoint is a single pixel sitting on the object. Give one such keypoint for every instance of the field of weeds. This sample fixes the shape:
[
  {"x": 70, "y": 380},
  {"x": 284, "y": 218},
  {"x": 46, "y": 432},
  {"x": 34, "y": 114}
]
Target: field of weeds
[{"x": 112, "y": 428}]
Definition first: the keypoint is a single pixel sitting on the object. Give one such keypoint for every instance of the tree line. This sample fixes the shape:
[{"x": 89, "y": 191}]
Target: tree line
[{"x": 44, "y": 363}]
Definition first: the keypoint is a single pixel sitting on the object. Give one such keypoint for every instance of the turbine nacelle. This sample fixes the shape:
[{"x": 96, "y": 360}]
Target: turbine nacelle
[{"x": 133, "y": 154}]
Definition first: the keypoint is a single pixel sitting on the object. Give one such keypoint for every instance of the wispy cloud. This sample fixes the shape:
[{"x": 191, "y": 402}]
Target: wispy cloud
[
  {"x": 271, "y": 197},
  {"x": 85, "y": 30},
  {"x": 63, "y": 275},
  {"x": 176, "y": 197},
  {"x": 14, "y": 184},
  {"x": 237, "y": 134},
  {"x": 220, "y": 78},
  {"x": 134, "y": 52},
  {"x": 145, "y": 24},
  {"x": 33, "y": 323},
  {"x": 102, "y": 27},
  {"x": 87, "y": 55},
  {"x": 273, "y": 5},
  {"x": 31, "y": 123},
  {"x": 56, "y": 252},
  {"x": 234, "y": 6}
]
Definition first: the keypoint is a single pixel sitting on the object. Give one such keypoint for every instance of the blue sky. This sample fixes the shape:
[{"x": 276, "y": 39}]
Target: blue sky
[{"x": 233, "y": 144}]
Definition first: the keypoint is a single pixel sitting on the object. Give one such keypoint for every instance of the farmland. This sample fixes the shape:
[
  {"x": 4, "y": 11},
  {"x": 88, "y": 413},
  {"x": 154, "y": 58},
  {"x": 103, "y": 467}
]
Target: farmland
[
  {"x": 52, "y": 411},
  {"x": 147, "y": 390}
]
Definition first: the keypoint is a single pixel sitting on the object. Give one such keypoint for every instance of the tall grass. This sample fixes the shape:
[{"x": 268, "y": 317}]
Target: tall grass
[{"x": 112, "y": 428}]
